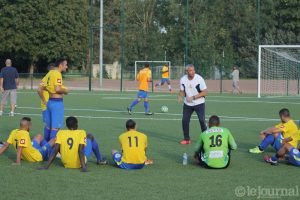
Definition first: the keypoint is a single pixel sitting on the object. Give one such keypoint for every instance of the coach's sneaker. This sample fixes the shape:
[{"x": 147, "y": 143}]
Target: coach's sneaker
[
  {"x": 268, "y": 159},
  {"x": 149, "y": 113},
  {"x": 129, "y": 111},
  {"x": 255, "y": 150},
  {"x": 184, "y": 142},
  {"x": 11, "y": 114}
]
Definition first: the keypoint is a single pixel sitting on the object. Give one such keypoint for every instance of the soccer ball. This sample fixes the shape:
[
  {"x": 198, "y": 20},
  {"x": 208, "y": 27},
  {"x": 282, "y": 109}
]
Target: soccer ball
[{"x": 164, "y": 109}]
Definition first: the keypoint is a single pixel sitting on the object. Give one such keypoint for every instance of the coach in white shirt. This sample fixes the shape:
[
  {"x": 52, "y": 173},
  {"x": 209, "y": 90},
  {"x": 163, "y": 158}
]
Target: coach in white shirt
[{"x": 194, "y": 90}]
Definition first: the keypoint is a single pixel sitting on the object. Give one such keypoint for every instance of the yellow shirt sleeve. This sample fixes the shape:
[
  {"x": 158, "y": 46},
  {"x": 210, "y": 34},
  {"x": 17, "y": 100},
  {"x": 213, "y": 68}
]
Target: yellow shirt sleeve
[
  {"x": 24, "y": 140},
  {"x": 83, "y": 138},
  {"x": 58, "y": 138},
  {"x": 10, "y": 139},
  {"x": 58, "y": 79}
]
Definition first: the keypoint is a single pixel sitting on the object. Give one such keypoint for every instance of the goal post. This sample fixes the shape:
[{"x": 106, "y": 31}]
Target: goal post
[
  {"x": 136, "y": 63},
  {"x": 278, "y": 70}
]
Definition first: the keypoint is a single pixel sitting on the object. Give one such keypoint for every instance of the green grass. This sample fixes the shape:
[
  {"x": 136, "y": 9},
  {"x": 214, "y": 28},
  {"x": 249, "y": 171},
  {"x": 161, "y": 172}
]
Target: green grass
[{"x": 244, "y": 115}]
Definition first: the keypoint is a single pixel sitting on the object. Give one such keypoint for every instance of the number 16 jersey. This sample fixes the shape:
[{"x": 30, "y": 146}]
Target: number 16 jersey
[
  {"x": 133, "y": 144},
  {"x": 69, "y": 141},
  {"x": 216, "y": 142}
]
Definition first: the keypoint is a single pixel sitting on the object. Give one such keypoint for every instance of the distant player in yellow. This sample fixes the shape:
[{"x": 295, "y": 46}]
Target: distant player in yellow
[
  {"x": 44, "y": 96},
  {"x": 56, "y": 90},
  {"x": 165, "y": 77},
  {"x": 143, "y": 77},
  {"x": 36, "y": 150},
  {"x": 75, "y": 147},
  {"x": 286, "y": 129},
  {"x": 133, "y": 145}
]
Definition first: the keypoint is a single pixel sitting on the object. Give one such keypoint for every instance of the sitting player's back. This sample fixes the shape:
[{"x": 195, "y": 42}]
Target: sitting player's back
[
  {"x": 69, "y": 141},
  {"x": 134, "y": 146}
]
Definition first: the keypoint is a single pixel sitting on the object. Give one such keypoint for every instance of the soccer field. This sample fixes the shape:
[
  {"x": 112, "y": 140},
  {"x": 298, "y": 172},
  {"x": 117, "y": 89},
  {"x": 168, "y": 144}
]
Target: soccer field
[{"x": 104, "y": 114}]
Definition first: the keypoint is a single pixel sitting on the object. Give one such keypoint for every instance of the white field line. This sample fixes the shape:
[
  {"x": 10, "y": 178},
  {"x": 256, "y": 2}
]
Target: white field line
[{"x": 223, "y": 117}]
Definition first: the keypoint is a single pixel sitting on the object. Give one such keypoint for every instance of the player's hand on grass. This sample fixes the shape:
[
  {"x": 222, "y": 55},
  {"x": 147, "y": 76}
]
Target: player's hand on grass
[
  {"x": 16, "y": 163},
  {"x": 84, "y": 169}
]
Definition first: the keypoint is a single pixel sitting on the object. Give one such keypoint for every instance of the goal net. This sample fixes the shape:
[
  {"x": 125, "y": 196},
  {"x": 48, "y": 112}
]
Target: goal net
[{"x": 278, "y": 70}]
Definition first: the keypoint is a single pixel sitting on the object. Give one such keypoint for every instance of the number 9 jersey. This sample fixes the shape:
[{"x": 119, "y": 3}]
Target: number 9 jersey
[{"x": 69, "y": 141}]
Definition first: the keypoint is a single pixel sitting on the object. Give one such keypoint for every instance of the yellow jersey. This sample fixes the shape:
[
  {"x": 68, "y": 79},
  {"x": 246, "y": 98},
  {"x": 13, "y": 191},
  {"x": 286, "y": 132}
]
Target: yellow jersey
[
  {"x": 45, "y": 93},
  {"x": 21, "y": 138},
  {"x": 69, "y": 141},
  {"x": 133, "y": 146},
  {"x": 54, "y": 79},
  {"x": 289, "y": 129},
  {"x": 143, "y": 77},
  {"x": 165, "y": 72}
]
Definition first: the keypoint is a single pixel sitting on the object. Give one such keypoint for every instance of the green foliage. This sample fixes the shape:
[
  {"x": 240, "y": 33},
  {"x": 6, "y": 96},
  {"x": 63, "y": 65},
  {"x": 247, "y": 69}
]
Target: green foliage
[{"x": 44, "y": 31}]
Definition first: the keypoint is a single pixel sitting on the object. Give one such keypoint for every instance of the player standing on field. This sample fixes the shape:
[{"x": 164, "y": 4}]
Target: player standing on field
[
  {"x": 165, "y": 77},
  {"x": 194, "y": 90},
  {"x": 143, "y": 77},
  {"x": 56, "y": 89},
  {"x": 44, "y": 96}
]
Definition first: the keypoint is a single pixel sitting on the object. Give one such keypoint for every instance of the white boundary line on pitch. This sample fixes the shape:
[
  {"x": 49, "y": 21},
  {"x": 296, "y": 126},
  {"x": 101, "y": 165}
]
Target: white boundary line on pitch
[
  {"x": 224, "y": 118},
  {"x": 232, "y": 118}
]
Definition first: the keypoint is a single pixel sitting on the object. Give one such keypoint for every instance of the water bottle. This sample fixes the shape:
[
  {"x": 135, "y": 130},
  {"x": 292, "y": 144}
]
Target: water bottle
[{"x": 185, "y": 159}]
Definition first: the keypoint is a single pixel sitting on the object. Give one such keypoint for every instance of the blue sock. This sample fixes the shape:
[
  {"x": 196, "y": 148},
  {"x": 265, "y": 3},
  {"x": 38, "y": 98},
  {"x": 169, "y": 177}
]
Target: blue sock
[
  {"x": 134, "y": 102},
  {"x": 46, "y": 133},
  {"x": 96, "y": 150},
  {"x": 53, "y": 134},
  {"x": 269, "y": 139},
  {"x": 146, "y": 105}
]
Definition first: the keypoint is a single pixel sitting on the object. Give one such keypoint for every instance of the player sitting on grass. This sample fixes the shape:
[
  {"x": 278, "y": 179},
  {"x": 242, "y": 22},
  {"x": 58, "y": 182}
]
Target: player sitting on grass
[
  {"x": 214, "y": 145},
  {"x": 75, "y": 147},
  {"x": 165, "y": 77},
  {"x": 36, "y": 150},
  {"x": 294, "y": 154},
  {"x": 133, "y": 145},
  {"x": 274, "y": 135}
]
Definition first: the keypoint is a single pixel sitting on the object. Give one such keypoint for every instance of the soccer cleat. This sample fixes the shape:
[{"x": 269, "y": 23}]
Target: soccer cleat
[
  {"x": 255, "y": 150},
  {"x": 129, "y": 111},
  {"x": 11, "y": 114},
  {"x": 184, "y": 142},
  {"x": 268, "y": 159},
  {"x": 148, "y": 162},
  {"x": 102, "y": 162},
  {"x": 149, "y": 113}
]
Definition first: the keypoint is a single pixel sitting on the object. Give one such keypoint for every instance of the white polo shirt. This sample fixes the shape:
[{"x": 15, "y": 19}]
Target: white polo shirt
[{"x": 192, "y": 88}]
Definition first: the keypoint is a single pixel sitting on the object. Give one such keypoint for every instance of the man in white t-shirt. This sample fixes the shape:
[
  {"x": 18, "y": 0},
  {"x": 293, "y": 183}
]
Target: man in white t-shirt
[
  {"x": 235, "y": 80},
  {"x": 194, "y": 90}
]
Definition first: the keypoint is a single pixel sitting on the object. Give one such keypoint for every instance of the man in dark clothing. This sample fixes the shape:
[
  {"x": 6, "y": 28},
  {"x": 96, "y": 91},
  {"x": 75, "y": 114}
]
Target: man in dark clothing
[{"x": 9, "y": 81}]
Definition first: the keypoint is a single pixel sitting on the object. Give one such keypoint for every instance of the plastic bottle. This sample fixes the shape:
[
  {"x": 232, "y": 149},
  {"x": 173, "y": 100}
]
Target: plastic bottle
[{"x": 185, "y": 159}]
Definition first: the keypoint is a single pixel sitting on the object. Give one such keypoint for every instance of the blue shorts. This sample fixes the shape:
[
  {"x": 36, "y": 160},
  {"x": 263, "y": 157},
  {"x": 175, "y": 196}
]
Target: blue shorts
[
  {"x": 88, "y": 150},
  {"x": 46, "y": 119},
  {"x": 142, "y": 94},
  {"x": 163, "y": 80},
  {"x": 44, "y": 150},
  {"x": 294, "y": 156},
  {"x": 278, "y": 142},
  {"x": 118, "y": 159},
  {"x": 55, "y": 110}
]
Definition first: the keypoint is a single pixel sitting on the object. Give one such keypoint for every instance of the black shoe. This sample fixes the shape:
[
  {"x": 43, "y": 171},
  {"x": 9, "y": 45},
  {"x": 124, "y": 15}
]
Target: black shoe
[
  {"x": 102, "y": 162},
  {"x": 149, "y": 113},
  {"x": 129, "y": 111}
]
